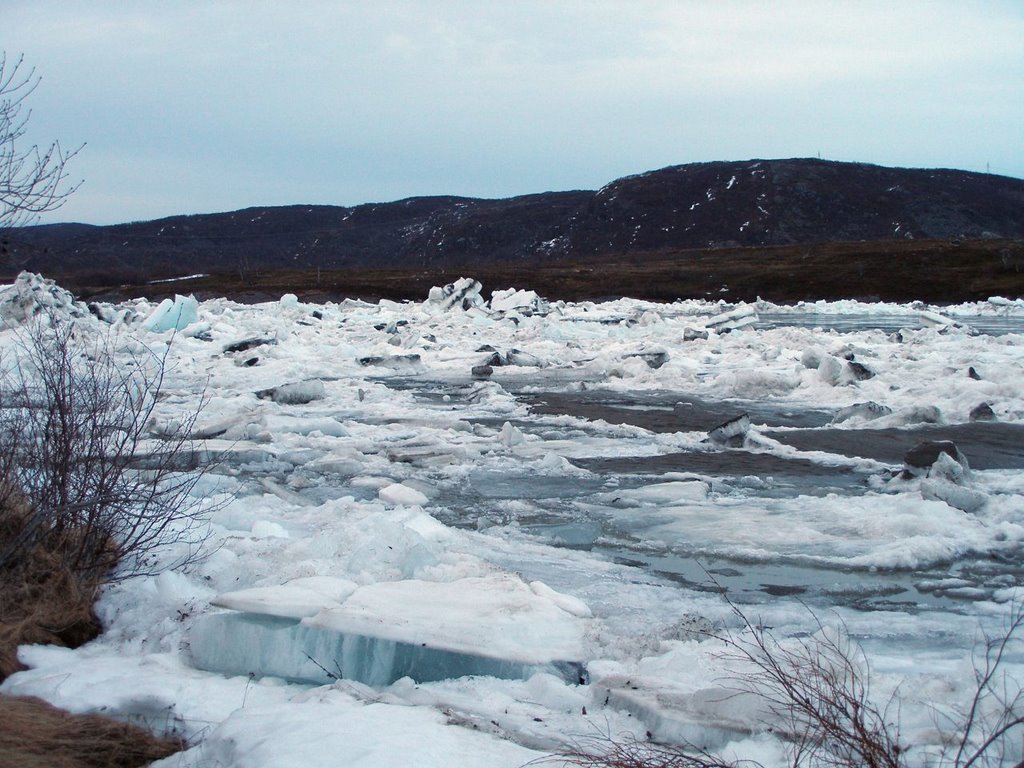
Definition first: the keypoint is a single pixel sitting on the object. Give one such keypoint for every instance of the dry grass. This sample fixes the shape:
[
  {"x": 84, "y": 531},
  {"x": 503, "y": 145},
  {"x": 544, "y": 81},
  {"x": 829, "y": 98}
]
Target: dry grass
[
  {"x": 41, "y": 599},
  {"x": 34, "y": 734}
]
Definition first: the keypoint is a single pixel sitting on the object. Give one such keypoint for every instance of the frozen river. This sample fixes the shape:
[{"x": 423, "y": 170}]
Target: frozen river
[{"x": 497, "y": 527}]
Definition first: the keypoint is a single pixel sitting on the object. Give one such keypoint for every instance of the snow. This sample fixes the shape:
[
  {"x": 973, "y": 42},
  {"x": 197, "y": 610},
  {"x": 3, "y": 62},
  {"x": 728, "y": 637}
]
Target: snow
[
  {"x": 410, "y": 566},
  {"x": 177, "y": 279}
]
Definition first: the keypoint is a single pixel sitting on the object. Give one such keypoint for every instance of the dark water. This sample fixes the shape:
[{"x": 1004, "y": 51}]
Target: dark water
[
  {"x": 987, "y": 445},
  {"x": 667, "y": 411},
  {"x": 564, "y": 510}
]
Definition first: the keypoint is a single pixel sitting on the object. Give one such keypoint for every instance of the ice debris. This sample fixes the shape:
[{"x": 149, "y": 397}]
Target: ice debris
[
  {"x": 409, "y": 362},
  {"x": 463, "y": 294},
  {"x": 861, "y": 412},
  {"x": 523, "y": 302},
  {"x": 693, "y": 334},
  {"x": 296, "y": 393},
  {"x": 982, "y": 412},
  {"x": 403, "y": 495},
  {"x": 922, "y": 456},
  {"x": 741, "y": 317},
  {"x": 732, "y": 433},
  {"x": 946, "y": 481},
  {"x": 172, "y": 315},
  {"x": 31, "y": 295},
  {"x": 244, "y": 345}
]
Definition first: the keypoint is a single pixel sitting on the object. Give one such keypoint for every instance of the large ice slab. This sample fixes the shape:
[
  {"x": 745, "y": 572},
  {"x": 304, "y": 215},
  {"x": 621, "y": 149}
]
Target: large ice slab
[{"x": 494, "y": 625}]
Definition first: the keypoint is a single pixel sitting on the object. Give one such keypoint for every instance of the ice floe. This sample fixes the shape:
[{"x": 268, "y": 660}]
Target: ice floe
[{"x": 485, "y": 568}]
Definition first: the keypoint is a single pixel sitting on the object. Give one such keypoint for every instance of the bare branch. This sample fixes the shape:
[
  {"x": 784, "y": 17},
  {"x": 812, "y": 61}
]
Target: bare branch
[{"x": 33, "y": 179}]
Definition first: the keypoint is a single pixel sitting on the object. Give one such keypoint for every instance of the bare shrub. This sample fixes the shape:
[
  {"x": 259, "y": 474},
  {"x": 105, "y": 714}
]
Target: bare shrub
[
  {"x": 607, "y": 752},
  {"x": 993, "y": 723},
  {"x": 98, "y": 489},
  {"x": 816, "y": 691}
]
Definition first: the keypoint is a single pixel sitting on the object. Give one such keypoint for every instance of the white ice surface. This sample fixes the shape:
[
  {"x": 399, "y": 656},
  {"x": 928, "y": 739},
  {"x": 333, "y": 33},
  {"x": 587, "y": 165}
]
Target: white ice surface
[
  {"x": 495, "y": 616},
  {"x": 326, "y": 519}
]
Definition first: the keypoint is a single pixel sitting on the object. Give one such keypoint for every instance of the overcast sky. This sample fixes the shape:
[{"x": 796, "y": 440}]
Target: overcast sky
[{"x": 190, "y": 107}]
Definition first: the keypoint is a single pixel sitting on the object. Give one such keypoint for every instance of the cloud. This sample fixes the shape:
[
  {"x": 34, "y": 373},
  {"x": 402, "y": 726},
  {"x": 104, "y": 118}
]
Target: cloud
[{"x": 358, "y": 101}]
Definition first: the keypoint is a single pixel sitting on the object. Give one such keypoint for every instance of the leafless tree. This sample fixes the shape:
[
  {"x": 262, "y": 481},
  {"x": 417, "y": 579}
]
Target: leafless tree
[
  {"x": 33, "y": 179},
  {"x": 78, "y": 449},
  {"x": 991, "y": 728}
]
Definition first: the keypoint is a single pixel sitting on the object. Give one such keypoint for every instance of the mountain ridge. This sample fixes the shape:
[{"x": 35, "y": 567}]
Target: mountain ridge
[{"x": 708, "y": 205}]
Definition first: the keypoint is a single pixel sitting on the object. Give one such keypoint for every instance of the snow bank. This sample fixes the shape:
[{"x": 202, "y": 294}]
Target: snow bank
[{"x": 31, "y": 295}]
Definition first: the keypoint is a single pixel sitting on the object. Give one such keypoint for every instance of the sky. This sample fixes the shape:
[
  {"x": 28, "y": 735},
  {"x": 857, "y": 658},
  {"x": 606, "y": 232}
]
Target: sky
[{"x": 192, "y": 107}]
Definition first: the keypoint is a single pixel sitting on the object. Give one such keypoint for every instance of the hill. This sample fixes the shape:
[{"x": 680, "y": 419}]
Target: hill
[{"x": 670, "y": 215}]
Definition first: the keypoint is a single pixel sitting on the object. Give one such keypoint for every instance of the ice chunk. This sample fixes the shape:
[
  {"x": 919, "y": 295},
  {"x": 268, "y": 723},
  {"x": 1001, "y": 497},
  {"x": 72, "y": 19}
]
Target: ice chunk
[
  {"x": 244, "y": 345},
  {"x": 732, "y": 432},
  {"x": 915, "y": 414},
  {"x": 830, "y": 369},
  {"x": 861, "y": 412},
  {"x": 408, "y": 362},
  {"x": 741, "y": 317},
  {"x": 494, "y": 625},
  {"x": 511, "y": 435},
  {"x": 399, "y": 494},
  {"x": 525, "y": 302},
  {"x": 464, "y": 293},
  {"x": 941, "y": 489},
  {"x": 711, "y": 716},
  {"x": 693, "y": 334},
  {"x": 267, "y": 529},
  {"x": 567, "y": 603},
  {"x": 296, "y": 393},
  {"x": 172, "y": 314},
  {"x": 935, "y": 320},
  {"x": 325, "y": 425},
  {"x": 949, "y": 466},
  {"x": 329, "y": 728},
  {"x": 654, "y": 358},
  {"x": 675, "y": 492},
  {"x": 812, "y": 357}
]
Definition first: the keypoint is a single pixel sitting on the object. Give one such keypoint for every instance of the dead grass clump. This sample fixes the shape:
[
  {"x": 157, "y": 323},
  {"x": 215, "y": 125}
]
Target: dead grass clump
[
  {"x": 42, "y": 600},
  {"x": 37, "y": 735}
]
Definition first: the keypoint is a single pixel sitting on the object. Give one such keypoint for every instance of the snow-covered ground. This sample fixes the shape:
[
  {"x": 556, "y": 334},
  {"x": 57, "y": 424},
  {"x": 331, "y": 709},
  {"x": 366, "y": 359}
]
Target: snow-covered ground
[{"x": 451, "y": 533}]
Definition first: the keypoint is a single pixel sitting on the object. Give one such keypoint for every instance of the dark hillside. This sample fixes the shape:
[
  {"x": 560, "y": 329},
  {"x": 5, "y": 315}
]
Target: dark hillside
[
  {"x": 903, "y": 270},
  {"x": 680, "y": 214}
]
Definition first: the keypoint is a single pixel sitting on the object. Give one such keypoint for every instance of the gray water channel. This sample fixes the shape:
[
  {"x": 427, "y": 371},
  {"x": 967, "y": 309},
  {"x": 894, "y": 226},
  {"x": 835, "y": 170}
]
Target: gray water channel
[{"x": 561, "y": 509}]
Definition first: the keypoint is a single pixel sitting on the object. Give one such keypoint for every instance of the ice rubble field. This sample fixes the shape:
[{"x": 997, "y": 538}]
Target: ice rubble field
[{"x": 409, "y": 564}]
